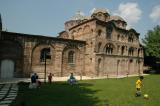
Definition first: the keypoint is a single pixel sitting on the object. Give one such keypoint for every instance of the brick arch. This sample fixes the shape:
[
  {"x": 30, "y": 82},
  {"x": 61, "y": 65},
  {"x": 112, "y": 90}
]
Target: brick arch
[
  {"x": 36, "y": 64},
  {"x": 110, "y": 45},
  {"x": 68, "y": 67},
  {"x": 80, "y": 30},
  {"x": 86, "y": 29},
  {"x": 73, "y": 34},
  {"x": 99, "y": 46}
]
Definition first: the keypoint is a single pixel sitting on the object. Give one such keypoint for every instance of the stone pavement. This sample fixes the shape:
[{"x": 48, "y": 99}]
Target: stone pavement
[{"x": 8, "y": 93}]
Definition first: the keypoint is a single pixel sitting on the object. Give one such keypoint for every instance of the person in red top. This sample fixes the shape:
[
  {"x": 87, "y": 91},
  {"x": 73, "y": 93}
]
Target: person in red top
[{"x": 50, "y": 78}]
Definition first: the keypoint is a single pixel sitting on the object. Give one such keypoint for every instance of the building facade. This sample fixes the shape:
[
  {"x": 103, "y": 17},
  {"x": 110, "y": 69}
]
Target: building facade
[{"x": 96, "y": 45}]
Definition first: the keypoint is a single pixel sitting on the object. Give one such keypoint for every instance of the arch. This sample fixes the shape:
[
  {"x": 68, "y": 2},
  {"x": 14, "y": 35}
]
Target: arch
[
  {"x": 38, "y": 52},
  {"x": 118, "y": 67},
  {"x": 99, "y": 46},
  {"x": 86, "y": 28},
  {"x": 130, "y": 37},
  {"x": 122, "y": 50},
  {"x": 45, "y": 54},
  {"x": 99, "y": 66},
  {"x": 71, "y": 60},
  {"x": 80, "y": 31},
  {"x": 109, "y": 48},
  {"x": 99, "y": 32},
  {"x": 109, "y": 30},
  {"x": 73, "y": 34},
  {"x": 118, "y": 37},
  {"x": 130, "y": 66},
  {"x": 140, "y": 50},
  {"x": 71, "y": 57},
  {"x": 131, "y": 51}
]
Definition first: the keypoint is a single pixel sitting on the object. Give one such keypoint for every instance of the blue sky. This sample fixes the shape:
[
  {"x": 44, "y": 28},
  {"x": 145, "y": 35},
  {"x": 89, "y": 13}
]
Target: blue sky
[{"x": 47, "y": 17}]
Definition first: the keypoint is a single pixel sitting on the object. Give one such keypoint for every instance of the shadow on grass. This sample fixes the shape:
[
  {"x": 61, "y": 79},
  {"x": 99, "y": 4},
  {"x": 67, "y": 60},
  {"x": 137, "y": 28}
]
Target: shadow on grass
[{"x": 56, "y": 94}]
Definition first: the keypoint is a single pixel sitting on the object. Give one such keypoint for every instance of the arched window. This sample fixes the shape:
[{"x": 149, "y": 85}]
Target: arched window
[
  {"x": 45, "y": 54},
  {"x": 122, "y": 50},
  {"x": 80, "y": 31},
  {"x": 131, "y": 51},
  {"x": 118, "y": 37},
  {"x": 109, "y": 32},
  {"x": 86, "y": 28},
  {"x": 99, "y": 32},
  {"x": 139, "y": 52},
  {"x": 99, "y": 46},
  {"x": 71, "y": 57},
  {"x": 109, "y": 49},
  {"x": 99, "y": 63},
  {"x": 130, "y": 38}
]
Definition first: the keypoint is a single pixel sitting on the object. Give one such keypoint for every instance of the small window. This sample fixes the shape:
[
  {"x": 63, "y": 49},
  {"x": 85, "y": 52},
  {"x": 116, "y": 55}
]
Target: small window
[
  {"x": 130, "y": 38},
  {"x": 99, "y": 32},
  {"x": 109, "y": 49},
  {"x": 99, "y": 46},
  {"x": 118, "y": 37},
  {"x": 109, "y": 32},
  {"x": 45, "y": 54},
  {"x": 122, "y": 50},
  {"x": 131, "y": 51},
  {"x": 71, "y": 57}
]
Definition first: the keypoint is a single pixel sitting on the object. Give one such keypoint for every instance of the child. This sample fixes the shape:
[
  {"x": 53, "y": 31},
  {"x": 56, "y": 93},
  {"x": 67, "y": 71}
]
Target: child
[
  {"x": 138, "y": 86},
  {"x": 50, "y": 78}
]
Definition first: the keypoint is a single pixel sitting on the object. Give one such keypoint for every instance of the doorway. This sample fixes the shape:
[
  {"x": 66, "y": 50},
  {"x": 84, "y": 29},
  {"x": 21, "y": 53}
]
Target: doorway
[{"x": 7, "y": 68}]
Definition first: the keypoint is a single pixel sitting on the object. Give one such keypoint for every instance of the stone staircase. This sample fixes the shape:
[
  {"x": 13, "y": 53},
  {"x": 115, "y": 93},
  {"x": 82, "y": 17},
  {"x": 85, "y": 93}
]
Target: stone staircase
[{"x": 8, "y": 93}]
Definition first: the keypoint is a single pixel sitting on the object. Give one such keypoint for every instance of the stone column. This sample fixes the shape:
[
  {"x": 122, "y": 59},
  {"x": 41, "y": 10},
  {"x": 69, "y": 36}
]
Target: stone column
[{"x": 58, "y": 61}]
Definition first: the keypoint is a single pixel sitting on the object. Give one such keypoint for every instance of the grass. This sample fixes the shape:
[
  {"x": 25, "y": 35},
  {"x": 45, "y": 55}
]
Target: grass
[{"x": 104, "y": 92}]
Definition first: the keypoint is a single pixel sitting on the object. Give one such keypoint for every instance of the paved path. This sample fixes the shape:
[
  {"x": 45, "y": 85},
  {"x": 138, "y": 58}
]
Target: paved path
[{"x": 8, "y": 93}]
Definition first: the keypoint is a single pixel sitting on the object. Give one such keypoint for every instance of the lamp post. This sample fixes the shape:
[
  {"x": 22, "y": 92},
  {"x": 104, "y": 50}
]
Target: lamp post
[{"x": 45, "y": 67}]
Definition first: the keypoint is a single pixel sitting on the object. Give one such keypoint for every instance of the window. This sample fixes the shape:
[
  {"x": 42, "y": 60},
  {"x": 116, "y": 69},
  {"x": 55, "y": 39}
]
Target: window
[
  {"x": 131, "y": 51},
  {"x": 45, "y": 54},
  {"x": 71, "y": 57},
  {"x": 99, "y": 32},
  {"x": 118, "y": 37},
  {"x": 109, "y": 49},
  {"x": 99, "y": 64},
  {"x": 122, "y": 50},
  {"x": 130, "y": 38},
  {"x": 99, "y": 46},
  {"x": 109, "y": 32}
]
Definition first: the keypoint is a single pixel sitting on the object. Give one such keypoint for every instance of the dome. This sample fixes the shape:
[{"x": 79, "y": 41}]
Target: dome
[
  {"x": 97, "y": 10},
  {"x": 78, "y": 16},
  {"x": 116, "y": 18}
]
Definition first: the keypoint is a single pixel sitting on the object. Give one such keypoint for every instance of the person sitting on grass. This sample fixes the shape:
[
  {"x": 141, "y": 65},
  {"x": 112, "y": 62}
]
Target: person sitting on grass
[
  {"x": 72, "y": 80},
  {"x": 138, "y": 86}
]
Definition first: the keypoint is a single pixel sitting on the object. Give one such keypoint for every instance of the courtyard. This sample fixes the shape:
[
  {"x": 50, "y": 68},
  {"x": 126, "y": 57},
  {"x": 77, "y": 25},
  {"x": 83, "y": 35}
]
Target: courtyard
[{"x": 98, "y": 92}]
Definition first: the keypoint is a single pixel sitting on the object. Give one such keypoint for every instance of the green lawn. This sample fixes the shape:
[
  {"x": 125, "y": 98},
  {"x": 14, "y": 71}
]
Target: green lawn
[{"x": 105, "y": 92}]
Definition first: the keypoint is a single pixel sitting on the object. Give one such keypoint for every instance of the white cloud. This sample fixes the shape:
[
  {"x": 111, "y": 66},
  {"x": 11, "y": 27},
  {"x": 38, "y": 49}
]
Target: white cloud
[
  {"x": 155, "y": 14},
  {"x": 130, "y": 12}
]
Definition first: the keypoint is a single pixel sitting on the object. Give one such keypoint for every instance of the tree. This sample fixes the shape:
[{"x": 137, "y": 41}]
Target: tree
[{"x": 152, "y": 45}]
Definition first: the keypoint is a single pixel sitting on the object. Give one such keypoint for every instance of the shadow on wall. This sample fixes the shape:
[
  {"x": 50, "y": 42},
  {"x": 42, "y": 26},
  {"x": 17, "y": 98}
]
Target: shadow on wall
[{"x": 57, "y": 94}]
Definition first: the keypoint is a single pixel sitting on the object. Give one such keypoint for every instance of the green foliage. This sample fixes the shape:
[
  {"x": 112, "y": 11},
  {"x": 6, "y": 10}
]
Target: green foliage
[
  {"x": 152, "y": 42},
  {"x": 104, "y": 92}
]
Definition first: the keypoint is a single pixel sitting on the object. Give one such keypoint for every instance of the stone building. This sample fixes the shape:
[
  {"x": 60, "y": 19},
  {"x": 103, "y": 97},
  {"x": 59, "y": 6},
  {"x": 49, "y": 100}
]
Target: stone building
[{"x": 96, "y": 45}]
